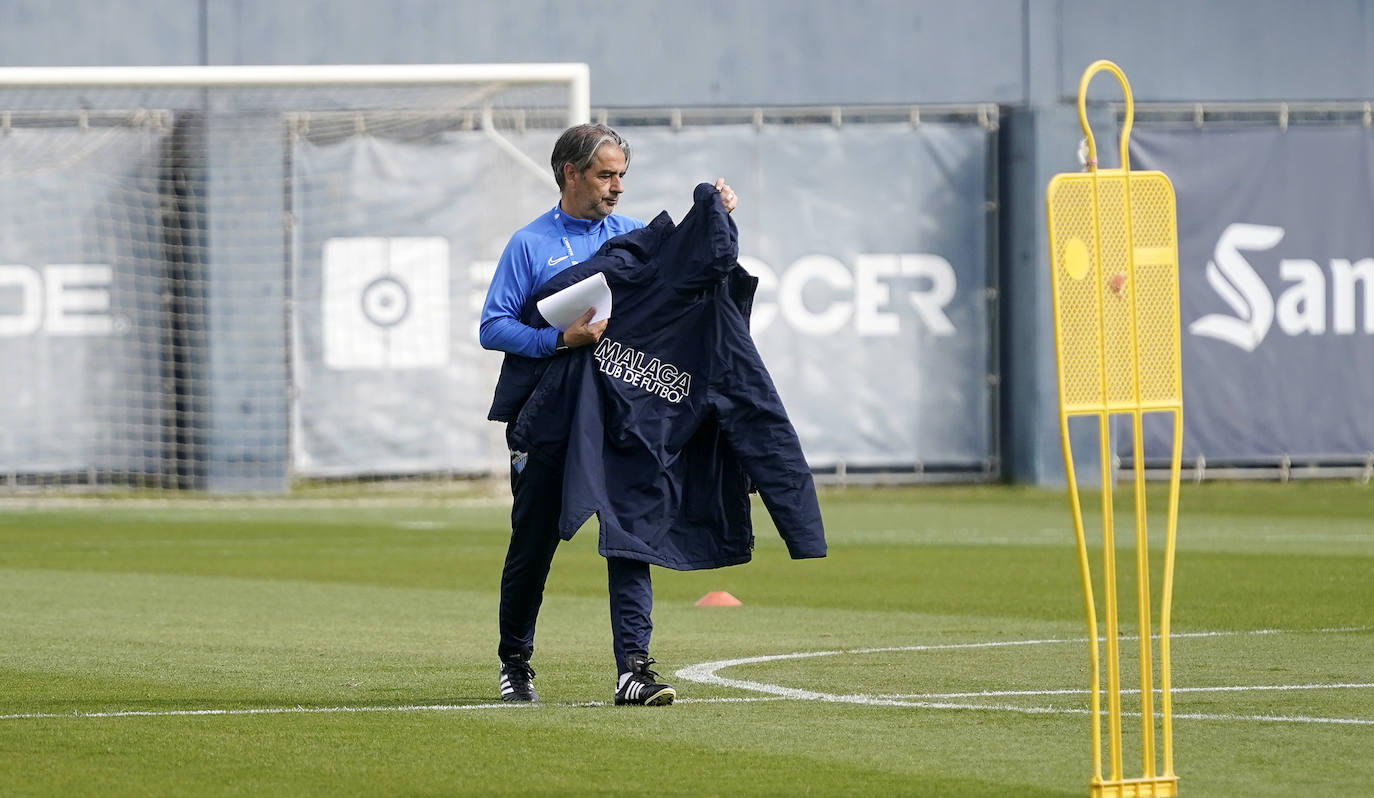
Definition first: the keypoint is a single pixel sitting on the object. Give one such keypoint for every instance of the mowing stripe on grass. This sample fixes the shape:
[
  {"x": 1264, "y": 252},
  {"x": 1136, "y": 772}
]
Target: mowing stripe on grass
[{"x": 177, "y": 713}]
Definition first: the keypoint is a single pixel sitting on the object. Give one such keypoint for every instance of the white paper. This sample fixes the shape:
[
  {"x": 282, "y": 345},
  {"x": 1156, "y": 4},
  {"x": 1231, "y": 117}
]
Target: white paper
[{"x": 567, "y": 306}]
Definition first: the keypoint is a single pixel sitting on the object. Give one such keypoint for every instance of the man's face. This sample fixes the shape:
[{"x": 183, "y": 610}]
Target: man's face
[{"x": 592, "y": 193}]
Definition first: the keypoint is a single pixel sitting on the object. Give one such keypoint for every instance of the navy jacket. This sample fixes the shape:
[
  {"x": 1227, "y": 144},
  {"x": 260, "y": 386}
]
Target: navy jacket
[{"x": 663, "y": 427}]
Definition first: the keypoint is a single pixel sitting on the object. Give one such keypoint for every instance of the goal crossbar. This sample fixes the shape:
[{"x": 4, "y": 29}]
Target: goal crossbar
[{"x": 576, "y": 75}]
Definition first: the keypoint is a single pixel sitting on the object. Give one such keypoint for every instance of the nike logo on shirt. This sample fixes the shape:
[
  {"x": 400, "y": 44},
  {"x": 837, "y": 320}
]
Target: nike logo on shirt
[{"x": 556, "y": 261}]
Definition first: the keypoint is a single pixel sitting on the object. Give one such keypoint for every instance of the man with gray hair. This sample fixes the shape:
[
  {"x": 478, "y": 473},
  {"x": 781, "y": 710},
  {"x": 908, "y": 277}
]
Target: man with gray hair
[{"x": 589, "y": 164}]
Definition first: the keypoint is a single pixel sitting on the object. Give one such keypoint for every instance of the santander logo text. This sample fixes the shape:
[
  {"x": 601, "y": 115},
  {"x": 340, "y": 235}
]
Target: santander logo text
[{"x": 1302, "y": 307}]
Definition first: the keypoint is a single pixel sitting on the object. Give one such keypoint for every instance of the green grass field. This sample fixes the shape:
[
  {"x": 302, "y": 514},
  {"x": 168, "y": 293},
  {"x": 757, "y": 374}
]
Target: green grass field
[{"x": 331, "y": 647}]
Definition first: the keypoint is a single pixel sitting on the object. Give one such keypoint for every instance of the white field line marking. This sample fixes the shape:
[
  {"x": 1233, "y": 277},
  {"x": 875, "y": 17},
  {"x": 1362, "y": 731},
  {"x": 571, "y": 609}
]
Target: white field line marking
[
  {"x": 231, "y": 504},
  {"x": 1071, "y": 711},
  {"x": 174, "y": 713},
  {"x": 707, "y": 673},
  {"x": 1132, "y": 691}
]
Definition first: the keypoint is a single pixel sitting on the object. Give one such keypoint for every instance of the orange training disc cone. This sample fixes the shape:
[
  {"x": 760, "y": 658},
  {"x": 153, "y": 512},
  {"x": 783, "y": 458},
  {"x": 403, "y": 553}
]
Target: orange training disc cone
[{"x": 718, "y": 598}]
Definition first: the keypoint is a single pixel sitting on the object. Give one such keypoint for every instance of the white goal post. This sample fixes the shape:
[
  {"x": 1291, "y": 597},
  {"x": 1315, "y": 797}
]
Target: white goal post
[
  {"x": 576, "y": 76},
  {"x": 233, "y": 278}
]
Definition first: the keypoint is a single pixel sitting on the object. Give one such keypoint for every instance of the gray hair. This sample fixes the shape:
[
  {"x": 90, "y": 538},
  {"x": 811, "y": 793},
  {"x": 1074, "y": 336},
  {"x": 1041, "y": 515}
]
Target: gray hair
[{"x": 578, "y": 145}]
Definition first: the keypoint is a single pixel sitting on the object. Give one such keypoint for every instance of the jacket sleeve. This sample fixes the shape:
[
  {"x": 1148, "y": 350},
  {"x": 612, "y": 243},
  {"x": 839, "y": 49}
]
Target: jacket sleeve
[
  {"x": 705, "y": 246},
  {"x": 758, "y": 431}
]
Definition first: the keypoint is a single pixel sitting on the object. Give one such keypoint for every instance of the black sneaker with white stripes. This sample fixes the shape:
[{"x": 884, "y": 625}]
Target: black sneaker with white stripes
[
  {"x": 516, "y": 675},
  {"x": 641, "y": 688}
]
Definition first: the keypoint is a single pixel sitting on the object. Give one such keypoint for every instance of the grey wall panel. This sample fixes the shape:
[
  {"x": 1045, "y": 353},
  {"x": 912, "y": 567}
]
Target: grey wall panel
[
  {"x": 714, "y": 52},
  {"x": 1222, "y": 50},
  {"x": 1037, "y": 145},
  {"x": 100, "y": 32},
  {"x": 247, "y": 423},
  {"x": 719, "y": 52}
]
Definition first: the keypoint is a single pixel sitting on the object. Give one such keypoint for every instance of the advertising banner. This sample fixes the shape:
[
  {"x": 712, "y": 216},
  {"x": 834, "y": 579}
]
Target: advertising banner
[
  {"x": 870, "y": 245},
  {"x": 1276, "y": 261},
  {"x": 869, "y": 241},
  {"x": 80, "y": 323},
  {"x": 394, "y": 245}
]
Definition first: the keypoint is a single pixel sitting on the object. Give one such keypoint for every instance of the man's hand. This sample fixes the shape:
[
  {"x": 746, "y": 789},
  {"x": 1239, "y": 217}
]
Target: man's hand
[
  {"x": 582, "y": 332},
  {"x": 727, "y": 195}
]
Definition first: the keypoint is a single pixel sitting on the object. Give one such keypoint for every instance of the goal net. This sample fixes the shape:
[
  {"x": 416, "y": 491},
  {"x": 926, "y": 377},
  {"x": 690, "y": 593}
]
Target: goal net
[{"x": 233, "y": 279}]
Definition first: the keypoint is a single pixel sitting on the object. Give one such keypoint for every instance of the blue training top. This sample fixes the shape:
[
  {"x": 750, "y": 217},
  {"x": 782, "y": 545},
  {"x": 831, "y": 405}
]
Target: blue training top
[{"x": 537, "y": 252}]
